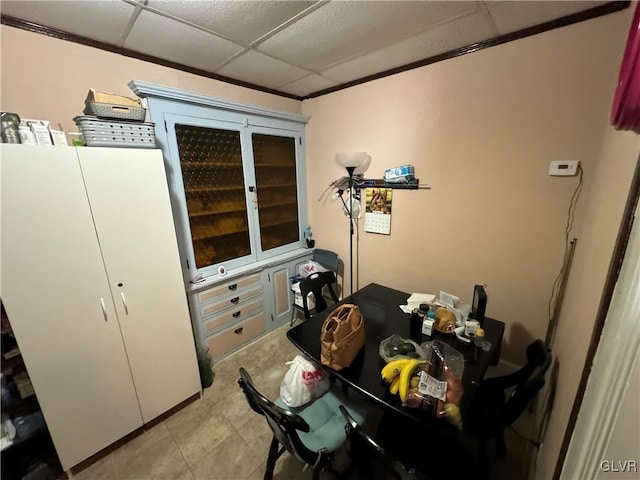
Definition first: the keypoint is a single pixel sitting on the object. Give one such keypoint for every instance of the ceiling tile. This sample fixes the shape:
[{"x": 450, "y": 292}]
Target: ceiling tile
[
  {"x": 442, "y": 38},
  {"x": 178, "y": 42},
  {"x": 307, "y": 85},
  {"x": 104, "y": 21},
  {"x": 242, "y": 22},
  {"x": 514, "y": 16},
  {"x": 339, "y": 30},
  {"x": 261, "y": 69}
]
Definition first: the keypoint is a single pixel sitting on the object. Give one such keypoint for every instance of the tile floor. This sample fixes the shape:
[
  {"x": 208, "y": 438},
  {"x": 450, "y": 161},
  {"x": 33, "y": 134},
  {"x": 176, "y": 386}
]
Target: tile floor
[{"x": 218, "y": 437}]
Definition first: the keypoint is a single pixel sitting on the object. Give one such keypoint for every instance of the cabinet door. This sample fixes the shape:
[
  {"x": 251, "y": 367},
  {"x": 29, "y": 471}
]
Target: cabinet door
[
  {"x": 209, "y": 168},
  {"x": 277, "y": 180},
  {"x": 128, "y": 194},
  {"x": 280, "y": 295},
  {"x": 56, "y": 293}
]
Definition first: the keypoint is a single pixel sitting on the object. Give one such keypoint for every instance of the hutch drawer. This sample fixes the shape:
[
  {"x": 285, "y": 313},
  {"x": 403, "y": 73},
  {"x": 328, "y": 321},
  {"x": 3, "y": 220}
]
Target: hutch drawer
[
  {"x": 242, "y": 310},
  {"x": 234, "y": 336},
  {"x": 228, "y": 288},
  {"x": 230, "y": 302}
]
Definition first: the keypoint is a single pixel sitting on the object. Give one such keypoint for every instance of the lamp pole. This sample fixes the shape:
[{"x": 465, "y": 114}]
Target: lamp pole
[
  {"x": 351, "y": 161},
  {"x": 350, "y": 210}
]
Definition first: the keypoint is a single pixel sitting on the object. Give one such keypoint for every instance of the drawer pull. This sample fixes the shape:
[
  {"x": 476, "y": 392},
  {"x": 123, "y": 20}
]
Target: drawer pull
[
  {"x": 234, "y": 299},
  {"x": 238, "y": 331},
  {"x": 237, "y": 314},
  {"x": 233, "y": 287}
]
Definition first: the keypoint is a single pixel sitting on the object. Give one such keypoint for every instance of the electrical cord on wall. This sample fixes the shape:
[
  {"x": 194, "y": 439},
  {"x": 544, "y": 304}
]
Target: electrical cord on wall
[{"x": 570, "y": 216}]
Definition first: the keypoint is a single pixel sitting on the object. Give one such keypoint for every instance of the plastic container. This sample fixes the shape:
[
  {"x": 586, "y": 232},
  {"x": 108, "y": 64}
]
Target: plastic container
[
  {"x": 77, "y": 139},
  {"x": 10, "y": 122},
  {"x": 394, "y": 347}
]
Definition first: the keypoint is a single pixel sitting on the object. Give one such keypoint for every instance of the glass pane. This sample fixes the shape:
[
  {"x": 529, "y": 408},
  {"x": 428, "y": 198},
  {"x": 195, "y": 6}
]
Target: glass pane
[
  {"x": 211, "y": 164},
  {"x": 275, "y": 166}
]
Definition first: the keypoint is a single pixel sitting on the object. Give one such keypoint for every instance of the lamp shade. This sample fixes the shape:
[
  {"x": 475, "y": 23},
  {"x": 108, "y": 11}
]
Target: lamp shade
[
  {"x": 351, "y": 159},
  {"x": 360, "y": 169}
]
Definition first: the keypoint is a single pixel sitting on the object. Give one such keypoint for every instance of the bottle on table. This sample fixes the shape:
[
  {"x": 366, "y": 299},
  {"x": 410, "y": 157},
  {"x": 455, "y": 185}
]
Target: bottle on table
[{"x": 415, "y": 322}]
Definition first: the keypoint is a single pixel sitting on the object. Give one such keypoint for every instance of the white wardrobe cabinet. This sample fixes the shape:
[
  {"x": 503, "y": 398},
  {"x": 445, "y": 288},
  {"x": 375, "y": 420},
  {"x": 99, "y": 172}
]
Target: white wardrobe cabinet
[{"x": 91, "y": 280}]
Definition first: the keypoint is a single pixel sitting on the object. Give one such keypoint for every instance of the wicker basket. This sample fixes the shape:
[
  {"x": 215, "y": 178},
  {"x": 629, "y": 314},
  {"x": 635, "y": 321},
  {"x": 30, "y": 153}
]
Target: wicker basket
[
  {"x": 110, "y": 110},
  {"x": 102, "y": 133}
]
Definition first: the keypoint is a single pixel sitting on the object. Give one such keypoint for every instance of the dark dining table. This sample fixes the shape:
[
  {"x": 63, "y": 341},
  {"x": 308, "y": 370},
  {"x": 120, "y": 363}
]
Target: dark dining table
[{"x": 383, "y": 317}]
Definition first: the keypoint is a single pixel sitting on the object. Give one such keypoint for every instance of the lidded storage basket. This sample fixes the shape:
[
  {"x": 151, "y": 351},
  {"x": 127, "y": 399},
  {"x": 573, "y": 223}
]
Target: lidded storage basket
[{"x": 112, "y": 110}]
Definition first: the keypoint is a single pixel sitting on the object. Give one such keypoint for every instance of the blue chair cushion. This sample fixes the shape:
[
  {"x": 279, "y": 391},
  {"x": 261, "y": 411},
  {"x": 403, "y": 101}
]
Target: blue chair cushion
[{"x": 326, "y": 423}]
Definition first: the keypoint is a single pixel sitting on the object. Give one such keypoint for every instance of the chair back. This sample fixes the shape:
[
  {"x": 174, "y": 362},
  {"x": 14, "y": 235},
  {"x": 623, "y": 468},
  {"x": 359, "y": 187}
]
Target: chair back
[
  {"x": 490, "y": 412},
  {"x": 283, "y": 423},
  {"x": 315, "y": 283},
  {"x": 532, "y": 380},
  {"x": 326, "y": 258},
  {"x": 364, "y": 451}
]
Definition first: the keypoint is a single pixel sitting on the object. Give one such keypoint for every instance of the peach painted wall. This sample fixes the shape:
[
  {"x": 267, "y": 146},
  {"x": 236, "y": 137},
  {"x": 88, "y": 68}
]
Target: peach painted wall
[
  {"x": 481, "y": 130},
  {"x": 48, "y": 79},
  {"x": 614, "y": 169}
]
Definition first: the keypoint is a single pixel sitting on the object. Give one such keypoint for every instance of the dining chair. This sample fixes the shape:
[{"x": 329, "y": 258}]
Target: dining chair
[
  {"x": 311, "y": 433},
  {"x": 370, "y": 458},
  {"x": 327, "y": 259},
  {"x": 316, "y": 283},
  {"x": 491, "y": 412}
]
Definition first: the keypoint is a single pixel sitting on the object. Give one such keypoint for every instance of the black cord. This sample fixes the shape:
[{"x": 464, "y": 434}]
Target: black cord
[
  {"x": 532, "y": 442},
  {"x": 570, "y": 217}
]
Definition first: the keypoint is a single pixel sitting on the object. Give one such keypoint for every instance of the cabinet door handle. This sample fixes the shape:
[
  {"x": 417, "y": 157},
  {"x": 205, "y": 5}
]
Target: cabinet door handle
[
  {"x": 233, "y": 287},
  {"x": 237, "y": 314},
  {"x": 238, "y": 331},
  {"x": 104, "y": 309},
  {"x": 124, "y": 303},
  {"x": 234, "y": 299},
  {"x": 254, "y": 197}
]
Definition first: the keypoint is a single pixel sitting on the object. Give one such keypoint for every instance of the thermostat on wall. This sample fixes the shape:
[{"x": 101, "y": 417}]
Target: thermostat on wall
[{"x": 563, "y": 168}]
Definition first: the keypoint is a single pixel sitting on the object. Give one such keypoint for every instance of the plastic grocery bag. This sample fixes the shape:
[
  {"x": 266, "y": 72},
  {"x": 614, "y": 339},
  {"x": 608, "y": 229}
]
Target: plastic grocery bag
[
  {"x": 439, "y": 382},
  {"x": 303, "y": 383},
  {"x": 310, "y": 267}
]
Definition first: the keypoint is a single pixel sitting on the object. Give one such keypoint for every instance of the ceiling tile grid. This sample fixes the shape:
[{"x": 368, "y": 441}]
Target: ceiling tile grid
[
  {"x": 178, "y": 42},
  {"x": 294, "y": 47},
  {"x": 242, "y": 22},
  {"x": 340, "y": 30},
  {"x": 103, "y": 21},
  {"x": 441, "y": 38},
  {"x": 513, "y": 16},
  {"x": 311, "y": 83},
  {"x": 261, "y": 69}
]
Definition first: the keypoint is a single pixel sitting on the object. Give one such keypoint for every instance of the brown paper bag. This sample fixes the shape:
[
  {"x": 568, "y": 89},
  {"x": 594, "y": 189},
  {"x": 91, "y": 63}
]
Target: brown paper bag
[{"x": 342, "y": 336}]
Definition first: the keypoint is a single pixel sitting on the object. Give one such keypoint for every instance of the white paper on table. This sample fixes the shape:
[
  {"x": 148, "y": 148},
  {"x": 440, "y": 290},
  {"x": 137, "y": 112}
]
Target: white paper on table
[
  {"x": 416, "y": 299},
  {"x": 405, "y": 308}
]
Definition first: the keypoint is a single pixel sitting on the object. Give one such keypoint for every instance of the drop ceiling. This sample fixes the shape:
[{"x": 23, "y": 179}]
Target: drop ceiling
[{"x": 294, "y": 48}]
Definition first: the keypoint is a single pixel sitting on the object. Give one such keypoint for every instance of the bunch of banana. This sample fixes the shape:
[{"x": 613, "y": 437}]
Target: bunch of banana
[{"x": 398, "y": 374}]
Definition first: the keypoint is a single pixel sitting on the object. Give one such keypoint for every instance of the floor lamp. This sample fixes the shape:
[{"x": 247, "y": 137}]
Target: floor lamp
[{"x": 352, "y": 161}]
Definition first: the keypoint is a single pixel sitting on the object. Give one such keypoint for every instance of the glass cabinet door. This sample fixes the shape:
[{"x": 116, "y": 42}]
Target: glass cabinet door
[
  {"x": 274, "y": 159},
  {"x": 214, "y": 187}
]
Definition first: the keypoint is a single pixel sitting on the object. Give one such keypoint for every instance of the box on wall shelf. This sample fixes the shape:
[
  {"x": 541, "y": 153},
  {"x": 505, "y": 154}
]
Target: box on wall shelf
[
  {"x": 116, "y": 133},
  {"x": 402, "y": 174}
]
